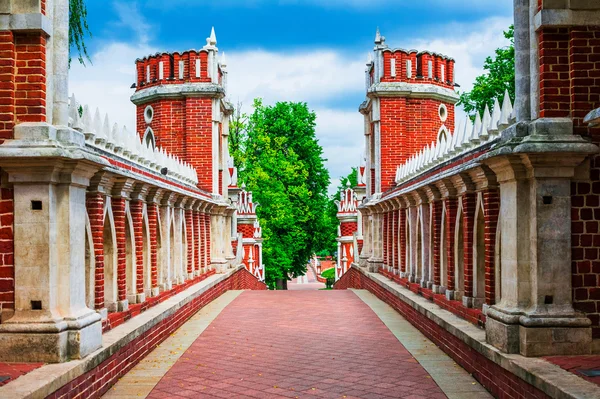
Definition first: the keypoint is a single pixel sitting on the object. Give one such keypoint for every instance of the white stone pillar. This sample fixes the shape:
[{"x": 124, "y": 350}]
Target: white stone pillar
[{"x": 51, "y": 322}]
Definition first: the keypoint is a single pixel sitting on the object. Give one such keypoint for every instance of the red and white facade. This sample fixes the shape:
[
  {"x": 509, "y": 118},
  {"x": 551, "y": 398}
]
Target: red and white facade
[
  {"x": 100, "y": 222},
  {"x": 493, "y": 219}
]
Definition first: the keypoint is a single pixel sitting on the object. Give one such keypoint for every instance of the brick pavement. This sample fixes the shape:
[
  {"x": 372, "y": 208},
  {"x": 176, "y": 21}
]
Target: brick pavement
[{"x": 297, "y": 344}]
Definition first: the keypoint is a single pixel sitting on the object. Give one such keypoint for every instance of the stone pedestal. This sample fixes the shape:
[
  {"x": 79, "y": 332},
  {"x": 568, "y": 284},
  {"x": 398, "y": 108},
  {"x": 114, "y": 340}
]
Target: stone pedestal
[
  {"x": 51, "y": 322},
  {"x": 374, "y": 264},
  {"x": 535, "y": 316}
]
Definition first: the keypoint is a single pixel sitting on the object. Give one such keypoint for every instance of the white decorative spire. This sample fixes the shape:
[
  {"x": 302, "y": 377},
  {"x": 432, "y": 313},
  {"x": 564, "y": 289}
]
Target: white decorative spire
[
  {"x": 507, "y": 110},
  {"x": 223, "y": 60}
]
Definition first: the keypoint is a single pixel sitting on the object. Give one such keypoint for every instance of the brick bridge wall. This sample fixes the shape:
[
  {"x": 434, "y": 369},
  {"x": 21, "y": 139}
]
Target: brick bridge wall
[
  {"x": 98, "y": 381},
  {"x": 494, "y": 378}
]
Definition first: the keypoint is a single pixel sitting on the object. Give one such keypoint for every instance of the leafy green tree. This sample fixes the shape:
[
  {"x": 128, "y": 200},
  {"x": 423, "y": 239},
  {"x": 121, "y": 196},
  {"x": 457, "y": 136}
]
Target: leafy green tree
[
  {"x": 500, "y": 76},
  {"x": 78, "y": 30},
  {"x": 238, "y": 136},
  {"x": 284, "y": 169}
]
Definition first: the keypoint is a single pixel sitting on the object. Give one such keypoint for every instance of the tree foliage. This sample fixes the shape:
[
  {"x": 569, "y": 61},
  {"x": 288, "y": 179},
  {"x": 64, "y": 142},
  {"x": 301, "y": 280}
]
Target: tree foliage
[
  {"x": 78, "y": 30},
  {"x": 238, "y": 136},
  {"x": 500, "y": 76},
  {"x": 284, "y": 169}
]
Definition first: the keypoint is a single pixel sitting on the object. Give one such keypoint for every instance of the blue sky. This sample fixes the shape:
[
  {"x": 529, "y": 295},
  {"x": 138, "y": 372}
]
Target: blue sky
[{"x": 310, "y": 50}]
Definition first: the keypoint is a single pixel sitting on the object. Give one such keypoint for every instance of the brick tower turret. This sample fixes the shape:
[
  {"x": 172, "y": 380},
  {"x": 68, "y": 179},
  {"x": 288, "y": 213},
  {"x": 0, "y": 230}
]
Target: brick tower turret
[
  {"x": 181, "y": 108},
  {"x": 410, "y": 104}
]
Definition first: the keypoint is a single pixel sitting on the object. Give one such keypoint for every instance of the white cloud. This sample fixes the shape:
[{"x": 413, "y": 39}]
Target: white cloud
[
  {"x": 311, "y": 76},
  {"x": 319, "y": 77}
]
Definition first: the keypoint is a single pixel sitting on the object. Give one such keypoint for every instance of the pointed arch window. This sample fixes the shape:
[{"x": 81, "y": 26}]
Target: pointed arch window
[{"x": 149, "y": 139}]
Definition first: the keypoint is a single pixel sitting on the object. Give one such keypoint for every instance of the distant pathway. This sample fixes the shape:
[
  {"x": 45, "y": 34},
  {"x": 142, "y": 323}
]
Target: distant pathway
[
  {"x": 303, "y": 344},
  {"x": 306, "y": 283}
]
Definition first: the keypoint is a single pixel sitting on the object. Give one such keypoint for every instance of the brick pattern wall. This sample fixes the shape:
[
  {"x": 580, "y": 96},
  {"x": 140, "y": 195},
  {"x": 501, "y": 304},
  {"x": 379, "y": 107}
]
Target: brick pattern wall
[
  {"x": 450, "y": 219},
  {"x": 198, "y": 138},
  {"x": 347, "y": 229},
  {"x": 436, "y": 225},
  {"x": 7, "y": 84},
  {"x": 500, "y": 382},
  {"x": 118, "y": 208},
  {"x": 137, "y": 218},
  {"x": 582, "y": 60},
  {"x": 96, "y": 382},
  {"x": 491, "y": 207},
  {"x": 403, "y": 240},
  {"x": 95, "y": 210},
  {"x": 7, "y": 265},
  {"x": 168, "y": 123},
  {"x": 30, "y": 77},
  {"x": 153, "y": 231},
  {"x": 407, "y": 126},
  {"x": 469, "y": 202},
  {"x": 555, "y": 96},
  {"x": 206, "y": 218}
]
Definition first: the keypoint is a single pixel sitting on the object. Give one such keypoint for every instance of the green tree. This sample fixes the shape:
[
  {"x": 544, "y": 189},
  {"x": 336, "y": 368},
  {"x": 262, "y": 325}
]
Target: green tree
[
  {"x": 78, "y": 30},
  {"x": 500, "y": 76},
  {"x": 238, "y": 137},
  {"x": 284, "y": 169}
]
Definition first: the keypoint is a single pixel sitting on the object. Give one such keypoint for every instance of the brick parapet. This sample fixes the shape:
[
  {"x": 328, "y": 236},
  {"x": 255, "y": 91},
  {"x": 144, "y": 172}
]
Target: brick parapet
[
  {"x": 419, "y": 68},
  {"x": 171, "y": 72}
]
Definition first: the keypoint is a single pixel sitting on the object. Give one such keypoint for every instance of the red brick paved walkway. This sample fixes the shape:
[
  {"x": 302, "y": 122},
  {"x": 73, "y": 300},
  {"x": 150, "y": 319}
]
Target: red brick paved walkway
[{"x": 301, "y": 344}]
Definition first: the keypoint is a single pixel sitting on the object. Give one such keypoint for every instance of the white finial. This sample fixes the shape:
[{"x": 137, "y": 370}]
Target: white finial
[
  {"x": 485, "y": 123},
  {"x": 506, "y": 111},
  {"x": 377, "y": 36},
  {"x": 493, "y": 127},
  {"x": 223, "y": 60},
  {"x": 213, "y": 37}
]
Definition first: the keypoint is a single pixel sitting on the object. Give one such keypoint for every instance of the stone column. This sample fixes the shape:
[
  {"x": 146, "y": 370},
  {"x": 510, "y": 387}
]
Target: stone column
[
  {"x": 207, "y": 239},
  {"x": 165, "y": 280},
  {"x": 180, "y": 266},
  {"x": 217, "y": 238},
  {"x": 51, "y": 322},
  {"x": 535, "y": 316},
  {"x": 376, "y": 260},
  {"x": 366, "y": 252},
  {"x": 152, "y": 201}
]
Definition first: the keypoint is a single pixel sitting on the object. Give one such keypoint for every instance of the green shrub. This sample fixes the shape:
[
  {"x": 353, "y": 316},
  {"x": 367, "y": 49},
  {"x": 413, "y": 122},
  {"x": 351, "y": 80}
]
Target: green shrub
[{"x": 329, "y": 273}]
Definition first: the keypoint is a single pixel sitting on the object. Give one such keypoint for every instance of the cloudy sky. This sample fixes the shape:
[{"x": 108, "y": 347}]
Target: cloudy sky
[{"x": 281, "y": 50}]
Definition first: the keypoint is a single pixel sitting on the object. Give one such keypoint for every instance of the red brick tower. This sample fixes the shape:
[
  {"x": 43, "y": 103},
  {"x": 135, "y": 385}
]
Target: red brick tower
[
  {"x": 181, "y": 108},
  {"x": 410, "y": 104}
]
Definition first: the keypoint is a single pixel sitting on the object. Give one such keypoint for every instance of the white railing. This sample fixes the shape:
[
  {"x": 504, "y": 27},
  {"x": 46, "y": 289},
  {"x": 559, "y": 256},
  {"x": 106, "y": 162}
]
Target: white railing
[
  {"x": 127, "y": 144},
  {"x": 467, "y": 137},
  {"x": 348, "y": 202}
]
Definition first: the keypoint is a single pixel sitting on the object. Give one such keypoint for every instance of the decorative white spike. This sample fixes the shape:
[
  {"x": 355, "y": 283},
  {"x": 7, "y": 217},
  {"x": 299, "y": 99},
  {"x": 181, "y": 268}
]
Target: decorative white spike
[
  {"x": 106, "y": 132},
  {"x": 505, "y": 114},
  {"x": 213, "y": 37},
  {"x": 493, "y": 127},
  {"x": 100, "y": 137},
  {"x": 117, "y": 139},
  {"x": 88, "y": 125},
  {"x": 485, "y": 123},
  {"x": 474, "y": 139},
  {"x": 466, "y": 137}
]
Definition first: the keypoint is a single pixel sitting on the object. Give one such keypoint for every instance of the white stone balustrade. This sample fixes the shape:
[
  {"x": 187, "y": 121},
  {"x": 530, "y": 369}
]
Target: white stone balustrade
[
  {"x": 126, "y": 144},
  {"x": 467, "y": 137}
]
